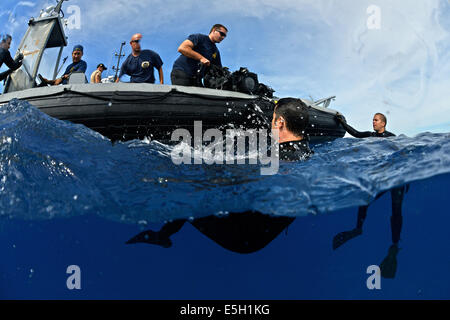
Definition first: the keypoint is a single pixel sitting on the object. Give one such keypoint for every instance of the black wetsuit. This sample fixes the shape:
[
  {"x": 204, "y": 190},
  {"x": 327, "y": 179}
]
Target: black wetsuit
[
  {"x": 295, "y": 150},
  {"x": 5, "y": 57},
  {"x": 396, "y": 193}
]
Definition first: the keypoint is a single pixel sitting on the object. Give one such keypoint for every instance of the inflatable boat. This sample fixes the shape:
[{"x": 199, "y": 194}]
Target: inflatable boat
[{"x": 126, "y": 111}]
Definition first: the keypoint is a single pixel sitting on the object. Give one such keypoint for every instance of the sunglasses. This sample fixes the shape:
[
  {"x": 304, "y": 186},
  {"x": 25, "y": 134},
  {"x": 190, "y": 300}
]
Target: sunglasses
[
  {"x": 223, "y": 34},
  {"x": 136, "y": 41}
]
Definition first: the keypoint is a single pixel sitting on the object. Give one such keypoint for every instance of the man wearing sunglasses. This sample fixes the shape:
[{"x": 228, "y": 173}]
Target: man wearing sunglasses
[
  {"x": 197, "y": 48},
  {"x": 140, "y": 63}
]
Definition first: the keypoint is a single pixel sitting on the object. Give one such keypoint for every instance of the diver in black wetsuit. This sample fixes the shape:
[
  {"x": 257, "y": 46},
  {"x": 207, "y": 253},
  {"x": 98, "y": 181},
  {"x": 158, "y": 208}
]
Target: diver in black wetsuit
[
  {"x": 249, "y": 231},
  {"x": 389, "y": 265},
  {"x": 5, "y": 57},
  {"x": 291, "y": 118}
]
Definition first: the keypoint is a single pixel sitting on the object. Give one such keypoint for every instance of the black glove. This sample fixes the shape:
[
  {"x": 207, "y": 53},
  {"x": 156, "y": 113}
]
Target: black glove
[
  {"x": 339, "y": 117},
  {"x": 20, "y": 56}
]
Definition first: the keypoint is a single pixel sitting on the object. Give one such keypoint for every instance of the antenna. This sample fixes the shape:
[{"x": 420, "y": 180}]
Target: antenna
[{"x": 119, "y": 56}]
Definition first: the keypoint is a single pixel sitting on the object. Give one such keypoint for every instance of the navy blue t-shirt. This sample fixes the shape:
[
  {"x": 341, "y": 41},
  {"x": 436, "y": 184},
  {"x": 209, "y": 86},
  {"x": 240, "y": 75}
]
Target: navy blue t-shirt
[
  {"x": 204, "y": 46},
  {"x": 75, "y": 67},
  {"x": 132, "y": 66}
]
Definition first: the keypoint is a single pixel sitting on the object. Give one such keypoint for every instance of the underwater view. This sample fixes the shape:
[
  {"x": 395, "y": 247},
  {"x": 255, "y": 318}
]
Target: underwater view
[{"x": 72, "y": 202}]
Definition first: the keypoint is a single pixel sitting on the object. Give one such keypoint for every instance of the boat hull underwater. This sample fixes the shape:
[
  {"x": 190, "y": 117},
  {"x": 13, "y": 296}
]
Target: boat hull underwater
[{"x": 127, "y": 111}]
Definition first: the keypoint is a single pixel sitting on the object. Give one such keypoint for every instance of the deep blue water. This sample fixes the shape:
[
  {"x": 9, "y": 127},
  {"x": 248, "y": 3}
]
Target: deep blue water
[{"x": 68, "y": 196}]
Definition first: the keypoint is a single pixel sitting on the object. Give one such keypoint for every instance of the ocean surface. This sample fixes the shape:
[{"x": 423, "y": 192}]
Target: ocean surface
[{"x": 70, "y": 197}]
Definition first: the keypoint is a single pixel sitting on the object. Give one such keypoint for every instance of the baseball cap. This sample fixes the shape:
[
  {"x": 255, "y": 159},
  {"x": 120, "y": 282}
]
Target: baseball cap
[
  {"x": 78, "y": 47},
  {"x": 102, "y": 65}
]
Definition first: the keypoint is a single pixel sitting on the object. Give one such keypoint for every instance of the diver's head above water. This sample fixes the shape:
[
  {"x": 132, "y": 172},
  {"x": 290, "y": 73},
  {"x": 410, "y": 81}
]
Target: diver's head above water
[
  {"x": 379, "y": 122},
  {"x": 218, "y": 33},
  {"x": 291, "y": 118}
]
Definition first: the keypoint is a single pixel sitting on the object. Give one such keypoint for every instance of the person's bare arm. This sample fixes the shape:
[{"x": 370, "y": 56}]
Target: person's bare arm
[
  {"x": 187, "y": 49},
  {"x": 161, "y": 75},
  {"x": 98, "y": 78}
]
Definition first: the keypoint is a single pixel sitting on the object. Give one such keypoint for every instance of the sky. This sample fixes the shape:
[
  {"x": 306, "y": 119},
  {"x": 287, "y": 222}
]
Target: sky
[{"x": 374, "y": 56}]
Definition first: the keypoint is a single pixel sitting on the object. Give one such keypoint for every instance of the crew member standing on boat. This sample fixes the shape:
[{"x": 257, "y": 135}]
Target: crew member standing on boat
[
  {"x": 197, "y": 48},
  {"x": 78, "y": 65},
  {"x": 96, "y": 76},
  {"x": 140, "y": 63},
  {"x": 5, "y": 56}
]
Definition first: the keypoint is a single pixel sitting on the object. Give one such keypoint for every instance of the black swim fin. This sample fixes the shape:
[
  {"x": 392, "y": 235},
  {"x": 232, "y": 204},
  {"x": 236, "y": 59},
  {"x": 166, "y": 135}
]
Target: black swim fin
[
  {"x": 389, "y": 265},
  {"x": 151, "y": 237},
  {"x": 343, "y": 237}
]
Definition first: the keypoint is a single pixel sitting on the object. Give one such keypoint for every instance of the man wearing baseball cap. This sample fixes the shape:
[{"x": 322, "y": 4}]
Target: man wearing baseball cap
[
  {"x": 77, "y": 65},
  {"x": 96, "y": 76}
]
